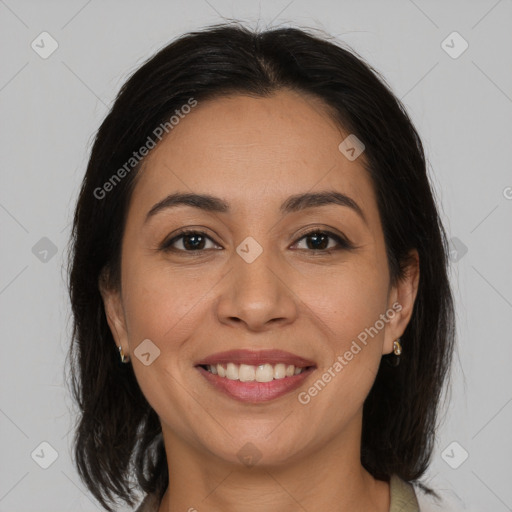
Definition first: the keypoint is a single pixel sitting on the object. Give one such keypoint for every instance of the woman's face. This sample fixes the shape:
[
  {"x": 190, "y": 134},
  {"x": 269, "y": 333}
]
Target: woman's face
[{"x": 250, "y": 281}]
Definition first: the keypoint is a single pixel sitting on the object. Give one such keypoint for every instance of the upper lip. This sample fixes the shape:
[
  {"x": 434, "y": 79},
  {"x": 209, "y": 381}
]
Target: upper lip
[{"x": 256, "y": 358}]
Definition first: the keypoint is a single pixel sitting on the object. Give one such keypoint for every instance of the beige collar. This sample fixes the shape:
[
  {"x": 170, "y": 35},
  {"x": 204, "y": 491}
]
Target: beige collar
[{"x": 403, "y": 498}]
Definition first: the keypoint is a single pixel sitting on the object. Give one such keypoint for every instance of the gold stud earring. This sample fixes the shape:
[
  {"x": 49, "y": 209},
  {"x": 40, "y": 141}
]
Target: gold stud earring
[
  {"x": 397, "y": 347},
  {"x": 124, "y": 359}
]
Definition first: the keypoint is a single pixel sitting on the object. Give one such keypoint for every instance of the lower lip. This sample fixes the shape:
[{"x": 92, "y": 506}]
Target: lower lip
[{"x": 256, "y": 392}]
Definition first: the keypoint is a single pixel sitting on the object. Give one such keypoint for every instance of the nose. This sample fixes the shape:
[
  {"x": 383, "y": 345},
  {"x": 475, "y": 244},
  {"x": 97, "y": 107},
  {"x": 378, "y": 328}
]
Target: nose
[{"x": 259, "y": 294}]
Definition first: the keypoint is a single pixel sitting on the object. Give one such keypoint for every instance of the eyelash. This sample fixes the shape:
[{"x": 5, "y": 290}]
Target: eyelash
[{"x": 343, "y": 243}]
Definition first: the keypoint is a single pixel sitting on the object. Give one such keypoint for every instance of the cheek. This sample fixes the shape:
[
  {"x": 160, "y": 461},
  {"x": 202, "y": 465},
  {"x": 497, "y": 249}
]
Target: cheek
[
  {"x": 165, "y": 307},
  {"x": 346, "y": 301},
  {"x": 161, "y": 303},
  {"x": 348, "y": 307}
]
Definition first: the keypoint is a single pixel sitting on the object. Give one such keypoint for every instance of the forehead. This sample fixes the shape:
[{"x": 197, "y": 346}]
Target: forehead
[{"x": 249, "y": 150}]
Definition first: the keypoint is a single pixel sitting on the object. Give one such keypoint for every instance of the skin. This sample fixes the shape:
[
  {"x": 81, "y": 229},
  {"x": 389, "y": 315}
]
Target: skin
[{"x": 254, "y": 153}]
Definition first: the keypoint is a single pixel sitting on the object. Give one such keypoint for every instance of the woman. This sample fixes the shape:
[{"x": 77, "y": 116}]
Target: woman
[{"x": 262, "y": 313}]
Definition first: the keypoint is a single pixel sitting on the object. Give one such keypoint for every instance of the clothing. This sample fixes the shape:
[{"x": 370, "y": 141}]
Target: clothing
[{"x": 403, "y": 498}]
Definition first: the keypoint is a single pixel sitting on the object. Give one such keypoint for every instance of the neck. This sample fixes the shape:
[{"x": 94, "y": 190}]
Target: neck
[{"x": 329, "y": 477}]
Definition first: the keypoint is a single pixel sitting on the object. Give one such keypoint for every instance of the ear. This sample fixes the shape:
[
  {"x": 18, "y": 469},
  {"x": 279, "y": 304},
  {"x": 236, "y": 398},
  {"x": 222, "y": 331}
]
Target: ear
[
  {"x": 401, "y": 302},
  {"x": 114, "y": 311}
]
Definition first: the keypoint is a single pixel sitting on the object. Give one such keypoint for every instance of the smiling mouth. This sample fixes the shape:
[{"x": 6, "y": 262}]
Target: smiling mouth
[
  {"x": 254, "y": 384},
  {"x": 255, "y": 376},
  {"x": 254, "y": 373}
]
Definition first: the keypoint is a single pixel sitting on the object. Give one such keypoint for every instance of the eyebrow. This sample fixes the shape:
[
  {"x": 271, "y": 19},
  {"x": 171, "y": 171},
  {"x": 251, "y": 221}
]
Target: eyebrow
[{"x": 293, "y": 204}]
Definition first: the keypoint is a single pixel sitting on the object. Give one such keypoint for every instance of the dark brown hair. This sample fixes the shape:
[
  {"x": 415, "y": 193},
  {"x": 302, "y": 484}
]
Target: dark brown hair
[{"x": 118, "y": 444}]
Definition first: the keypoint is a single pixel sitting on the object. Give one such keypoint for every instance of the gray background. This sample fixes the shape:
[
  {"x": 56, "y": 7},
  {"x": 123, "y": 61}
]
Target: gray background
[{"x": 50, "y": 108}]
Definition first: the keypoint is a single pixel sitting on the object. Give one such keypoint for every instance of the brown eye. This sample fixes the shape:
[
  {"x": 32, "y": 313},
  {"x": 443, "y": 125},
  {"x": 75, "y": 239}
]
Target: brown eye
[
  {"x": 318, "y": 240},
  {"x": 188, "y": 241}
]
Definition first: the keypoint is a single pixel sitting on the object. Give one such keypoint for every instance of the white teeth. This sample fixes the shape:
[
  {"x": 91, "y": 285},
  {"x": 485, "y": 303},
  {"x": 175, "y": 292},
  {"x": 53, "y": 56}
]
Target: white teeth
[
  {"x": 250, "y": 373},
  {"x": 279, "y": 371},
  {"x": 265, "y": 373},
  {"x": 246, "y": 373},
  {"x": 232, "y": 371}
]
